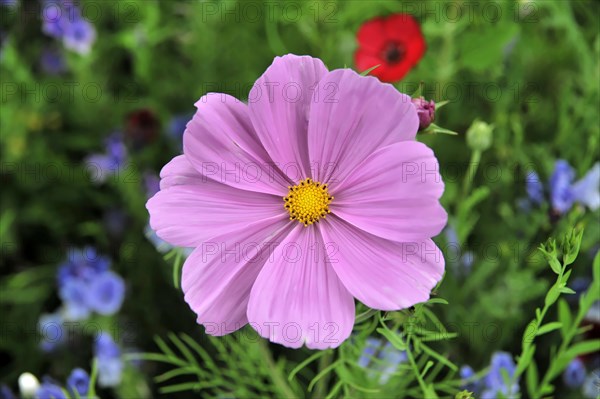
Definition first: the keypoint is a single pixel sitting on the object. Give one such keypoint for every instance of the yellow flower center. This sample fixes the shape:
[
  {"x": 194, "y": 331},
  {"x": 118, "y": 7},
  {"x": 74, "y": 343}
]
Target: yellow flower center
[{"x": 308, "y": 201}]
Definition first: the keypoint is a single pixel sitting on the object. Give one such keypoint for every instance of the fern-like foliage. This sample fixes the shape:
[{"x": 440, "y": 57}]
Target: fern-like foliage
[{"x": 226, "y": 367}]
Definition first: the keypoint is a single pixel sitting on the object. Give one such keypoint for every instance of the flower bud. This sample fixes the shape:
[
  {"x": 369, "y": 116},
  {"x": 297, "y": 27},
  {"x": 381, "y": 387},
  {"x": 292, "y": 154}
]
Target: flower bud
[
  {"x": 425, "y": 110},
  {"x": 28, "y": 385},
  {"x": 479, "y": 136}
]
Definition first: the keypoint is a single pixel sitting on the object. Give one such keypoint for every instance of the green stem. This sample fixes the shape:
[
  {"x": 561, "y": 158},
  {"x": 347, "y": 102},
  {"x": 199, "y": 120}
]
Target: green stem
[
  {"x": 474, "y": 164},
  {"x": 276, "y": 374},
  {"x": 324, "y": 363}
]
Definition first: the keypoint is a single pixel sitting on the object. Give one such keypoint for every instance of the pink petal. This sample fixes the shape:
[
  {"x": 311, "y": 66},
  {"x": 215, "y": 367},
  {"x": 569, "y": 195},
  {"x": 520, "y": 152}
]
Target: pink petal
[
  {"x": 394, "y": 193},
  {"x": 297, "y": 298},
  {"x": 220, "y": 143},
  {"x": 279, "y": 104},
  {"x": 218, "y": 276},
  {"x": 192, "y": 208},
  {"x": 382, "y": 274},
  {"x": 354, "y": 116}
]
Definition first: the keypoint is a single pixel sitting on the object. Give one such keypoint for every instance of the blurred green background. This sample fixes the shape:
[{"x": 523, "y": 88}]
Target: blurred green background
[{"x": 529, "y": 68}]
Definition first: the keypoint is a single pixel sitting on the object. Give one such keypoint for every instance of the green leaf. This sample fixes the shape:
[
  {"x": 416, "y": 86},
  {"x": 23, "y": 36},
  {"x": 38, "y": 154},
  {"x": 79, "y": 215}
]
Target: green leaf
[
  {"x": 567, "y": 290},
  {"x": 482, "y": 48},
  {"x": 582, "y": 348},
  {"x": 525, "y": 359},
  {"x": 546, "y": 328},
  {"x": 572, "y": 245},
  {"x": 394, "y": 339},
  {"x": 438, "y": 357},
  {"x": 564, "y": 316},
  {"x": 435, "y": 129},
  {"x": 552, "y": 295},
  {"x": 596, "y": 267},
  {"x": 531, "y": 379},
  {"x": 368, "y": 71}
]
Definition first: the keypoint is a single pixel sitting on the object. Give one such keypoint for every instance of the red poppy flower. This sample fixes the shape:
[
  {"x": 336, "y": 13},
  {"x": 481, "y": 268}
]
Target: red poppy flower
[{"x": 395, "y": 43}]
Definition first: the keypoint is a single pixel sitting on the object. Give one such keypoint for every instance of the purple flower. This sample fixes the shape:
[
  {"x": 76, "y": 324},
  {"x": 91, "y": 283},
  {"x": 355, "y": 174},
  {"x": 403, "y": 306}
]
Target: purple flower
[
  {"x": 110, "y": 365},
  {"x": 52, "y": 62},
  {"x": 587, "y": 190},
  {"x": 79, "y": 36},
  {"x": 106, "y": 293},
  {"x": 534, "y": 187},
  {"x": 49, "y": 390},
  {"x": 425, "y": 111},
  {"x": 574, "y": 374},
  {"x": 9, "y": 3},
  {"x": 50, "y": 327},
  {"x": 115, "y": 221},
  {"x": 54, "y": 19},
  {"x": 560, "y": 186},
  {"x": 152, "y": 183},
  {"x": 375, "y": 218},
  {"x": 78, "y": 381},
  {"x": 109, "y": 162},
  {"x": 501, "y": 363}
]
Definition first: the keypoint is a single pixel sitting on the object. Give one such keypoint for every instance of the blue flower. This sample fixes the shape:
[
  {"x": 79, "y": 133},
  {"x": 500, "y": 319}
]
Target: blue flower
[
  {"x": 52, "y": 62},
  {"x": 466, "y": 372},
  {"x": 109, "y": 162},
  {"x": 501, "y": 363},
  {"x": 78, "y": 381},
  {"x": 9, "y": 3},
  {"x": 560, "y": 186},
  {"x": 6, "y": 392},
  {"x": 371, "y": 347},
  {"x": 82, "y": 264},
  {"x": 387, "y": 360},
  {"x": 106, "y": 293},
  {"x": 390, "y": 359},
  {"x": 75, "y": 296},
  {"x": 462, "y": 262},
  {"x": 591, "y": 385},
  {"x": 50, "y": 327},
  {"x": 151, "y": 183},
  {"x": 586, "y": 191},
  {"x": 574, "y": 374},
  {"x": 79, "y": 36},
  {"x": 110, "y": 365},
  {"x": 49, "y": 390},
  {"x": 177, "y": 126},
  {"x": 534, "y": 188},
  {"x": 54, "y": 19}
]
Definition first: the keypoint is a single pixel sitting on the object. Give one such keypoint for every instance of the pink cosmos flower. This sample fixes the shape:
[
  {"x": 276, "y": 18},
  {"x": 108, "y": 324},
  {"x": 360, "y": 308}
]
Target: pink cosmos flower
[{"x": 312, "y": 194}]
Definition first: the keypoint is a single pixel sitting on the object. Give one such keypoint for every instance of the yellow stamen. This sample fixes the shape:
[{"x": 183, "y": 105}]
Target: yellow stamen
[{"x": 308, "y": 201}]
